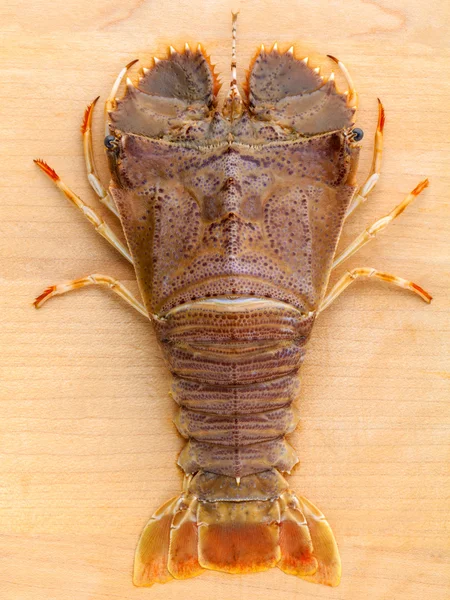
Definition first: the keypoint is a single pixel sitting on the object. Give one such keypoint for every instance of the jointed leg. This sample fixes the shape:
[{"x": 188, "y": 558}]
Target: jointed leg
[
  {"x": 352, "y": 96},
  {"x": 100, "y": 226},
  {"x": 110, "y": 103},
  {"x": 104, "y": 280},
  {"x": 374, "y": 174},
  {"x": 379, "y": 225},
  {"x": 92, "y": 175},
  {"x": 351, "y": 276}
]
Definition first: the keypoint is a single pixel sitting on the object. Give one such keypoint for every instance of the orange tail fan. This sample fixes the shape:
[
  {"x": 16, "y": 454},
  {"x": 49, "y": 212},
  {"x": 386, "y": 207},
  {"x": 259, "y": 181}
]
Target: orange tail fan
[{"x": 186, "y": 536}]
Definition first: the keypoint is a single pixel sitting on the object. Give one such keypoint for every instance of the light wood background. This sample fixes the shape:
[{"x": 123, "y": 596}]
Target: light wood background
[{"x": 87, "y": 445}]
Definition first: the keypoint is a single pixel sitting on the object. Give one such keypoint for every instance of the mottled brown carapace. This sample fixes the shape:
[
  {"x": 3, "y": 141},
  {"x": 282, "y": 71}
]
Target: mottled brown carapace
[
  {"x": 232, "y": 213},
  {"x": 247, "y": 205}
]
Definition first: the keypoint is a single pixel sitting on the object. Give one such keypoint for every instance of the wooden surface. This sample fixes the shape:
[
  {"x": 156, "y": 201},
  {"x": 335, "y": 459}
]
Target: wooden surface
[{"x": 87, "y": 445}]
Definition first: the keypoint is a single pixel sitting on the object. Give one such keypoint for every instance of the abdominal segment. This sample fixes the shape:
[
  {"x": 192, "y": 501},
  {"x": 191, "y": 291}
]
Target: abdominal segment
[{"x": 235, "y": 363}]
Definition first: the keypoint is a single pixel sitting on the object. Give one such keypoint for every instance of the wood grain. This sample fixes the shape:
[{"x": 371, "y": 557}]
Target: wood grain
[{"x": 87, "y": 444}]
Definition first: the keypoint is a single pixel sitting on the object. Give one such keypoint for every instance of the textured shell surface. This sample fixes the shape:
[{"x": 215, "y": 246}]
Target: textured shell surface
[
  {"x": 232, "y": 211},
  {"x": 247, "y": 205},
  {"x": 232, "y": 215}
]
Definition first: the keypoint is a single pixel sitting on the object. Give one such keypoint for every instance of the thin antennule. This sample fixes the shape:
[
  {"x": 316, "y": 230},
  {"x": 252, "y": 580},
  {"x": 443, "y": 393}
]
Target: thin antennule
[
  {"x": 233, "y": 82},
  {"x": 233, "y": 104}
]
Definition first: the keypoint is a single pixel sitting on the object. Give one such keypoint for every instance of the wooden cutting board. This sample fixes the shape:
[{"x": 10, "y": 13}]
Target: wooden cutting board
[{"x": 87, "y": 445}]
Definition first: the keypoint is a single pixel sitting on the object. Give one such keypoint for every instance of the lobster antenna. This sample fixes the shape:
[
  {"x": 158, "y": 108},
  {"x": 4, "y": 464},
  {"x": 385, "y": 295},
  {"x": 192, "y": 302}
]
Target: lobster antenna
[
  {"x": 233, "y": 82},
  {"x": 233, "y": 106}
]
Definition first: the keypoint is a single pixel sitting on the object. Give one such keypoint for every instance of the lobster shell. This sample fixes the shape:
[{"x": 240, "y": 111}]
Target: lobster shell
[{"x": 232, "y": 217}]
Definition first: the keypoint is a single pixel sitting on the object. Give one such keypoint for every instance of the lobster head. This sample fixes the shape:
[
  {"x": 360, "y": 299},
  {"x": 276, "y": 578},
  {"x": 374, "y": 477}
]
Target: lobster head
[{"x": 243, "y": 200}]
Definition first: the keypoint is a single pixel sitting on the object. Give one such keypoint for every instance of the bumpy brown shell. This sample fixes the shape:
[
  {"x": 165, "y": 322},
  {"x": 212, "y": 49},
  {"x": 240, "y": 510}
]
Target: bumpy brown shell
[
  {"x": 248, "y": 203},
  {"x": 232, "y": 218}
]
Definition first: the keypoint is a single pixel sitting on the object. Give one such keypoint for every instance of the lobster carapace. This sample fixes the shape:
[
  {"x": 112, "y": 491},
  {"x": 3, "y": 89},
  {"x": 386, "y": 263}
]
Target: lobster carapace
[{"x": 232, "y": 215}]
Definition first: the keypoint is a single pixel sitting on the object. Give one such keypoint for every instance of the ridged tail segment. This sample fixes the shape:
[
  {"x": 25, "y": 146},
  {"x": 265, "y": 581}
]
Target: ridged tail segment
[{"x": 235, "y": 363}]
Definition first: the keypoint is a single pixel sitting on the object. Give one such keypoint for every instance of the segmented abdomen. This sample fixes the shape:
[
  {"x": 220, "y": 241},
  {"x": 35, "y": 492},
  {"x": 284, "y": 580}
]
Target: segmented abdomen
[{"x": 235, "y": 364}]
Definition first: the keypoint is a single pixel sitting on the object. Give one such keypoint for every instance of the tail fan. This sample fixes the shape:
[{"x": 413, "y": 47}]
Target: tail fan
[
  {"x": 186, "y": 536},
  {"x": 183, "y": 548},
  {"x": 308, "y": 547},
  {"x": 238, "y": 537},
  {"x": 325, "y": 547},
  {"x": 150, "y": 563}
]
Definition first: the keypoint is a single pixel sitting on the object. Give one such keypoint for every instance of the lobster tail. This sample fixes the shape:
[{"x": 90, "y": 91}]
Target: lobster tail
[
  {"x": 238, "y": 537},
  {"x": 150, "y": 564},
  {"x": 235, "y": 392},
  {"x": 188, "y": 535},
  {"x": 308, "y": 547},
  {"x": 168, "y": 546}
]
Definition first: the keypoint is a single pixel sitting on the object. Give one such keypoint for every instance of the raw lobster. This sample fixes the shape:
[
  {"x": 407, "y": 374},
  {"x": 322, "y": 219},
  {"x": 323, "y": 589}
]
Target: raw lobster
[{"x": 232, "y": 217}]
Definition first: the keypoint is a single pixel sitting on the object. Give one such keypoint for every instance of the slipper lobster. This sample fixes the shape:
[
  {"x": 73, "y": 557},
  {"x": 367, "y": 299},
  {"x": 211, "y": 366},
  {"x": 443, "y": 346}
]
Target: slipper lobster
[{"x": 232, "y": 216}]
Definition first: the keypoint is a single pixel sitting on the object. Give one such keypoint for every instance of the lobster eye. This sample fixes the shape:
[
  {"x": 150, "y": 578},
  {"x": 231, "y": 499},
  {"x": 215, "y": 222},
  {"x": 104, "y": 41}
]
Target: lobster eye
[
  {"x": 110, "y": 142},
  {"x": 358, "y": 134}
]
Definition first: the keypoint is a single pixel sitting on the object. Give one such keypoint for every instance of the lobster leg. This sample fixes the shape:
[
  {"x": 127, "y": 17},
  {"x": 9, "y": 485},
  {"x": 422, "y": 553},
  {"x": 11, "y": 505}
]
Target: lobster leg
[
  {"x": 354, "y": 274},
  {"x": 374, "y": 173},
  {"x": 104, "y": 280},
  {"x": 93, "y": 178},
  {"x": 369, "y": 233},
  {"x": 110, "y": 103},
  {"x": 100, "y": 226},
  {"x": 352, "y": 96}
]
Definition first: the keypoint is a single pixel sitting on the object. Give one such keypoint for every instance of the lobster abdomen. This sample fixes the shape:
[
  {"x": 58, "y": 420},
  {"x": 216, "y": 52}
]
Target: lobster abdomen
[{"x": 235, "y": 363}]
